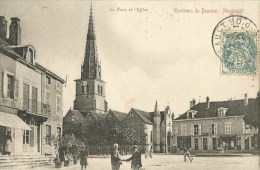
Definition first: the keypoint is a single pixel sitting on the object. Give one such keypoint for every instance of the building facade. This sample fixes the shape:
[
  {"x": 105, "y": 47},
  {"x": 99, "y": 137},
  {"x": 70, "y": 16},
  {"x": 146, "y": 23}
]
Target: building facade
[
  {"x": 216, "y": 126},
  {"x": 156, "y": 127},
  {"x": 23, "y": 100}
]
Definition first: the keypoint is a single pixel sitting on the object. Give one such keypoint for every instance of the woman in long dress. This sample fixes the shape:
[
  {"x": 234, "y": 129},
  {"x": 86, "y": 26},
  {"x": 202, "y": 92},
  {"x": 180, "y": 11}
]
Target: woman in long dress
[{"x": 8, "y": 143}]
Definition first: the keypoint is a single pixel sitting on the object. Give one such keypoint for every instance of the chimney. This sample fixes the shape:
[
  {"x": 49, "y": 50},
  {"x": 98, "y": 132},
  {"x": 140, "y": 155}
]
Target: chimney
[
  {"x": 15, "y": 31},
  {"x": 192, "y": 103},
  {"x": 207, "y": 102},
  {"x": 3, "y": 27},
  {"x": 246, "y": 100}
]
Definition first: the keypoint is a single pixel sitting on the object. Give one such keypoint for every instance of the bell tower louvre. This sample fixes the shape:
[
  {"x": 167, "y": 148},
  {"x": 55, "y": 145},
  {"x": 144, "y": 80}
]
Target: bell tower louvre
[{"x": 90, "y": 89}]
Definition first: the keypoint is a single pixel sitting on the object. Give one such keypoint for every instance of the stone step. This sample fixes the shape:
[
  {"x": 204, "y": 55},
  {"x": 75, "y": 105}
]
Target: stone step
[{"x": 26, "y": 161}]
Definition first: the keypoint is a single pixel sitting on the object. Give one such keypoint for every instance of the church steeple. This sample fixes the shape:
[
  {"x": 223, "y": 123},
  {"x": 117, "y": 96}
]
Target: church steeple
[
  {"x": 91, "y": 68},
  {"x": 156, "y": 110},
  {"x": 90, "y": 89}
]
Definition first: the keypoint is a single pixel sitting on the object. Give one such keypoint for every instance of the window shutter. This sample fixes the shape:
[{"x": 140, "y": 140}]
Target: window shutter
[
  {"x": 16, "y": 90},
  {"x": 191, "y": 130},
  {"x": 5, "y": 81},
  {"x": 215, "y": 128},
  {"x": 199, "y": 129}
]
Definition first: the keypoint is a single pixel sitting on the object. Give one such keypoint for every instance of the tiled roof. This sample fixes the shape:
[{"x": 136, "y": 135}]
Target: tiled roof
[
  {"x": 7, "y": 50},
  {"x": 49, "y": 72},
  {"x": 98, "y": 116},
  {"x": 235, "y": 108},
  {"x": 11, "y": 50},
  {"x": 119, "y": 115},
  {"x": 143, "y": 115},
  {"x": 78, "y": 118}
]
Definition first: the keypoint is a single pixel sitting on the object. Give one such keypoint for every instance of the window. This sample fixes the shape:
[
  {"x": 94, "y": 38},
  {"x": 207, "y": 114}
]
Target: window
[
  {"x": 190, "y": 114},
  {"x": 227, "y": 127},
  {"x": 222, "y": 111},
  {"x": 48, "y": 134},
  {"x": 58, "y": 104},
  {"x": 26, "y": 137},
  {"x": 58, "y": 130},
  {"x": 59, "y": 86},
  {"x": 214, "y": 128},
  {"x": 101, "y": 90},
  {"x": 31, "y": 56},
  {"x": 26, "y": 94},
  {"x": 196, "y": 129},
  {"x": 47, "y": 97},
  {"x": 34, "y": 100},
  {"x": 131, "y": 114},
  {"x": 183, "y": 130},
  {"x": 10, "y": 86},
  {"x": 176, "y": 130},
  {"x": 98, "y": 89},
  {"x": 48, "y": 80}
]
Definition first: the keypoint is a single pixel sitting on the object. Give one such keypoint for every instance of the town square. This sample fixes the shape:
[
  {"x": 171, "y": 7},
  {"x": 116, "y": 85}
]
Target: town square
[{"x": 126, "y": 85}]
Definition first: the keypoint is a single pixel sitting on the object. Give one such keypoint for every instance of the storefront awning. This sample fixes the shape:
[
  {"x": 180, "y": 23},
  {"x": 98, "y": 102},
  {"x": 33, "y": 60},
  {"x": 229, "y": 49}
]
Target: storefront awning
[{"x": 12, "y": 121}]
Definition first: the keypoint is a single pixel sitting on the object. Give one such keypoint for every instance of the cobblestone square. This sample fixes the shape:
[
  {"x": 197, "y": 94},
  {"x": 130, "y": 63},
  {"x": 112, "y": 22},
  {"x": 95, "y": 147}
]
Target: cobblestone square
[{"x": 169, "y": 162}]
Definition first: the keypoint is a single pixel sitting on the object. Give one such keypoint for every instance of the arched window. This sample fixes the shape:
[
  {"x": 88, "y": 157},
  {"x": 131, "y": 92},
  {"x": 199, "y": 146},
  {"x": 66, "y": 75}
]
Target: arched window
[
  {"x": 98, "y": 89},
  {"x": 101, "y": 90}
]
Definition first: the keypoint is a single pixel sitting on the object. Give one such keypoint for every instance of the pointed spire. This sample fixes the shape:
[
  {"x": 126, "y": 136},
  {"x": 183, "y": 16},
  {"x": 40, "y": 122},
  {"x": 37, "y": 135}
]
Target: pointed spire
[
  {"x": 91, "y": 68},
  {"x": 156, "y": 110},
  {"x": 91, "y": 30}
]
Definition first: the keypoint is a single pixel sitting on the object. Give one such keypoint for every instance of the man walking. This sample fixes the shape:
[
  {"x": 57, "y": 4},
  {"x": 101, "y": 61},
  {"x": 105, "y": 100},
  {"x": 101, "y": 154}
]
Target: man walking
[
  {"x": 187, "y": 154},
  {"x": 115, "y": 158},
  {"x": 136, "y": 159}
]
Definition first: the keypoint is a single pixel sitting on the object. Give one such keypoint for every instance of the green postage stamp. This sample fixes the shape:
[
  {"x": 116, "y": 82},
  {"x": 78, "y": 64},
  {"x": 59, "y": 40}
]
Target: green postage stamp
[{"x": 235, "y": 41}]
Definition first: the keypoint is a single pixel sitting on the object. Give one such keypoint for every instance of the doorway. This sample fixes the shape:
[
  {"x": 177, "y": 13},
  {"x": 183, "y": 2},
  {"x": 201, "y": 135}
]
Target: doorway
[
  {"x": 205, "y": 143},
  {"x": 214, "y": 143}
]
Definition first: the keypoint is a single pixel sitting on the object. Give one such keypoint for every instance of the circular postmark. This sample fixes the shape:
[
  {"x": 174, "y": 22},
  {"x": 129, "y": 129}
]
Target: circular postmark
[{"x": 235, "y": 42}]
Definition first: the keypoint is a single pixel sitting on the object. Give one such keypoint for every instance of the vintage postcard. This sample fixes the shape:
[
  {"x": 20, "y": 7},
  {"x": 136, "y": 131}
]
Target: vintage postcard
[{"x": 129, "y": 84}]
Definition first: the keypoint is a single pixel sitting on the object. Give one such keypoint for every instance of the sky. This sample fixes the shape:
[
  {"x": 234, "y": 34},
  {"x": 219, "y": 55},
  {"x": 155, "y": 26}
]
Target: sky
[{"x": 158, "y": 52}]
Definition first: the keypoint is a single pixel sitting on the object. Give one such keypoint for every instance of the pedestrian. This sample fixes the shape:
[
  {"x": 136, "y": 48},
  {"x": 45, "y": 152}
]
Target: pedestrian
[
  {"x": 83, "y": 158},
  {"x": 115, "y": 158},
  {"x": 187, "y": 154},
  {"x": 136, "y": 159},
  {"x": 8, "y": 143}
]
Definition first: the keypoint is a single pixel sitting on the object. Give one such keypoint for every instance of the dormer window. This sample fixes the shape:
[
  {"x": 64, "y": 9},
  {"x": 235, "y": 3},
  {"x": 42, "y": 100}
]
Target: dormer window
[
  {"x": 222, "y": 111},
  {"x": 190, "y": 114},
  {"x": 30, "y": 57}
]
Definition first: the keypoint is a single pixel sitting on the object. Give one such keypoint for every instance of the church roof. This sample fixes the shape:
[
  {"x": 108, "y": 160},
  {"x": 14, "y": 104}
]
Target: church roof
[
  {"x": 143, "y": 115},
  {"x": 91, "y": 68},
  {"x": 119, "y": 115},
  {"x": 98, "y": 116},
  {"x": 235, "y": 108},
  {"x": 78, "y": 117}
]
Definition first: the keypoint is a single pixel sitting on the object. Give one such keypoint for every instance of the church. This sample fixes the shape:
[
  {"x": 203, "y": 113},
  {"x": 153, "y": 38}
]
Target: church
[{"x": 90, "y": 104}]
